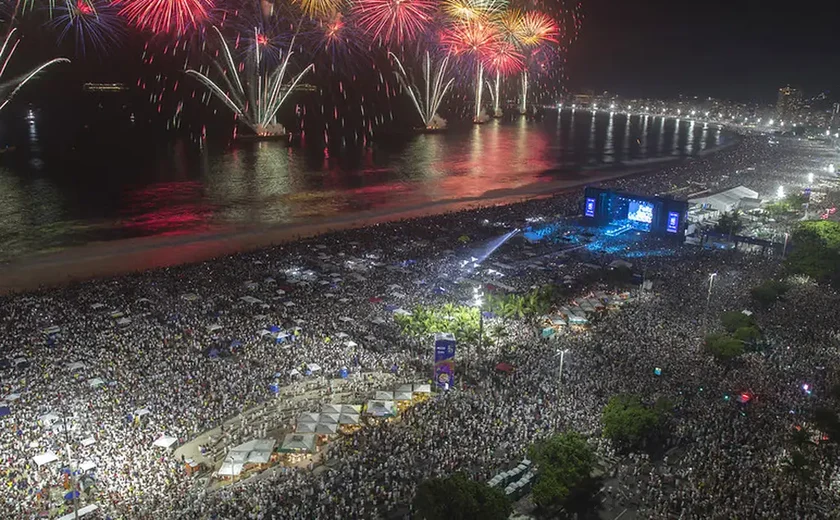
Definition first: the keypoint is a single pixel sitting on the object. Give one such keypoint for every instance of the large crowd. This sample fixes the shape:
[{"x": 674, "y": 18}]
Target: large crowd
[{"x": 148, "y": 339}]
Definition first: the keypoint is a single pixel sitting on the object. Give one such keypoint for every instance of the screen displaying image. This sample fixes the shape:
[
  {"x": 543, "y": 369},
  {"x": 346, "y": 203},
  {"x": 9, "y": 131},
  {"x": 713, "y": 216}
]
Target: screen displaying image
[
  {"x": 640, "y": 212},
  {"x": 673, "y": 222},
  {"x": 590, "y": 207}
]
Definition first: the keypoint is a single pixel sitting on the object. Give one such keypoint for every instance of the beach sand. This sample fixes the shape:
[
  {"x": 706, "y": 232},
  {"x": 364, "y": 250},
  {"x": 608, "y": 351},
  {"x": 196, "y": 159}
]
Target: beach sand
[{"x": 100, "y": 259}]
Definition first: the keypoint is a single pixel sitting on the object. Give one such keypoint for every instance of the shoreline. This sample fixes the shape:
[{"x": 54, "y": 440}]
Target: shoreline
[{"x": 120, "y": 257}]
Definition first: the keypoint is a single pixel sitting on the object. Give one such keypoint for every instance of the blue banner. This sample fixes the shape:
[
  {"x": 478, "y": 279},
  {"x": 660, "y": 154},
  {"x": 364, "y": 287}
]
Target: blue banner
[{"x": 444, "y": 360}]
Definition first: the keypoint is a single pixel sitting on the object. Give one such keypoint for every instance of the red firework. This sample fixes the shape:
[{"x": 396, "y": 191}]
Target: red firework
[
  {"x": 166, "y": 16},
  {"x": 502, "y": 56},
  {"x": 471, "y": 38},
  {"x": 394, "y": 21}
]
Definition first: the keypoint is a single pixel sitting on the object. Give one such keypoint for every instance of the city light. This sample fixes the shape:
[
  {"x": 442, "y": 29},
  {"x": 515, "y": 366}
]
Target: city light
[
  {"x": 612, "y": 106},
  {"x": 810, "y": 178},
  {"x": 780, "y": 193},
  {"x": 770, "y": 122}
]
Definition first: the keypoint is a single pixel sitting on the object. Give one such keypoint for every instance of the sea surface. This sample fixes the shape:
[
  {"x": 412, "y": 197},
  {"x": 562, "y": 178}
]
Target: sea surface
[{"x": 139, "y": 186}]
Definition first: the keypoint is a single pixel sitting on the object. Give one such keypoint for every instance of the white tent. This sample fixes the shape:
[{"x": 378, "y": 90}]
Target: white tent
[
  {"x": 326, "y": 429},
  {"x": 48, "y": 419},
  {"x": 349, "y": 418},
  {"x": 381, "y": 408},
  {"x": 342, "y": 335},
  {"x": 87, "y": 466},
  {"x": 214, "y": 328},
  {"x": 726, "y": 200},
  {"x": 352, "y": 409},
  {"x": 95, "y": 382},
  {"x": 78, "y": 365},
  {"x": 351, "y": 344},
  {"x": 164, "y": 441},
  {"x": 124, "y": 322},
  {"x": 190, "y": 297},
  {"x": 329, "y": 418},
  {"x": 54, "y": 329},
  {"x": 140, "y": 412},
  {"x": 382, "y": 395},
  {"x": 299, "y": 442},
  {"x": 309, "y": 417},
  {"x": 250, "y": 300},
  {"x": 422, "y": 389},
  {"x": 403, "y": 396},
  {"x": 82, "y": 512},
  {"x": 88, "y": 441},
  {"x": 313, "y": 367},
  {"x": 306, "y": 427},
  {"x": 255, "y": 451},
  {"x": 45, "y": 458},
  {"x": 402, "y": 311},
  {"x": 405, "y": 388},
  {"x": 346, "y": 319},
  {"x": 331, "y": 408}
]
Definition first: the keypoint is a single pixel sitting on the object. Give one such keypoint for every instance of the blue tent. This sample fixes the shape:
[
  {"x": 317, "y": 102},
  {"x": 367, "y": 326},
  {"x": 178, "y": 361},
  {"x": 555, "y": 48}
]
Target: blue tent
[
  {"x": 343, "y": 373},
  {"x": 274, "y": 328},
  {"x": 274, "y": 388},
  {"x": 70, "y": 495},
  {"x": 391, "y": 308},
  {"x": 5, "y": 410},
  {"x": 235, "y": 343},
  {"x": 488, "y": 315},
  {"x": 214, "y": 353}
]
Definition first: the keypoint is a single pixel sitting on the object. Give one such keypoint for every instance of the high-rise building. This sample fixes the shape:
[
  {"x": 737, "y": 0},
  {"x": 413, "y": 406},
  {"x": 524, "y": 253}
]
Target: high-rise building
[{"x": 788, "y": 103}]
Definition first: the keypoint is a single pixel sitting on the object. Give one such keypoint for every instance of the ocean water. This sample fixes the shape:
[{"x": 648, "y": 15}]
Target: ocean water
[{"x": 136, "y": 185}]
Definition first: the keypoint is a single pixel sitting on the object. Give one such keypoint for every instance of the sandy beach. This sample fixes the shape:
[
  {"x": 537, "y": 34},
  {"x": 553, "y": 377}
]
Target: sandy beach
[{"x": 100, "y": 259}]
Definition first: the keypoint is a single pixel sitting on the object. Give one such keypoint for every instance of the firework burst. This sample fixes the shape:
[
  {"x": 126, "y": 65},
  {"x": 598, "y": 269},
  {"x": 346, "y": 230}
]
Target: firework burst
[
  {"x": 96, "y": 25},
  {"x": 394, "y": 21},
  {"x": 255, "y": 91},
  {"x": 435, "y": 86},
  {"x": 166, "y": 16},
  {"x": 319, "y": 8},
  {"x": 535, "y": 28},
  {"x": 473, "y": 10},
  {"x": 8, "y": 89}
]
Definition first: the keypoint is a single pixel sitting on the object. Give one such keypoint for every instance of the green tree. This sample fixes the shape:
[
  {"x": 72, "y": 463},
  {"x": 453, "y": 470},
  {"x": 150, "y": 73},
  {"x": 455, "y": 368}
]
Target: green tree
[
  {"x": 627, "y": 421},
  {"x": 565, "y": 462},
  {"x": 799, "y": 465},
  {"x": 815, "y": 251},
  {"x": 767, "y": 293},
  {"x": 734, "y": 320},
  {"x": 458, "y": 497},
  {"x": 729, "y": 223},
  {"x": 749, "y": 335},
  {"x": 723, "y": 346}
]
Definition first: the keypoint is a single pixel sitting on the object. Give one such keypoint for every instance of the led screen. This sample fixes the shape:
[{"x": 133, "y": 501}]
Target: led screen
[
  {"x": 590, "y": 207},
  {"x": 640, "y": 212},
  {"x": 673, "y": 222}
]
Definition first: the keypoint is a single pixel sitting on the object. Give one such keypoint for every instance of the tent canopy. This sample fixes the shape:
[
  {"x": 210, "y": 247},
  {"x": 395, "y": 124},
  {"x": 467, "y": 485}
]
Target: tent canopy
[
  {"x": 164, "y": 441},
  {"x": 45, "y": 458},
  {"x": 299, "y": 442}
]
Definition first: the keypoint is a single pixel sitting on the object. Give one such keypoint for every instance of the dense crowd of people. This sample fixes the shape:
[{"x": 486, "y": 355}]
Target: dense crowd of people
[{"x": 135, "y": 357}]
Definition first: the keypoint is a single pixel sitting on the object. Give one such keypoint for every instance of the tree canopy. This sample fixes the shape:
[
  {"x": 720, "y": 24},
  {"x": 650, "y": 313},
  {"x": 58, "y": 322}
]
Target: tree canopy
[
  {"x": 458, "y": 497},
  {"x": 460, "y": 320},
  {"x": 729, "y": 223},
  {"x": 723, "y": 346},
  {"x": 627, "y": 421},
  {"x": 734, "y": 320},
  {"x": 767, "y": 293},
  {"x": 815, "y": 251},
  {"x": 565, "y": 462}
]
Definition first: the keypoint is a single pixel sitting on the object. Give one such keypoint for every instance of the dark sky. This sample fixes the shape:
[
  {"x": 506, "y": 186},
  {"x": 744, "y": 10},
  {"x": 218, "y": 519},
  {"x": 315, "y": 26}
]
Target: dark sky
[{"x": 743, "y": 50}]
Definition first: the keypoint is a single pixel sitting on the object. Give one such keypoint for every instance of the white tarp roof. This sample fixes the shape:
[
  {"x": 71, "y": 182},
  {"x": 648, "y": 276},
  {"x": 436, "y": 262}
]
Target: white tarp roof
[
  {"x": 352, "y": 409},
  {"x": 313, "y": 367},
  {"x": 45, "y": 458},
  {"x": 309, "y": 417},
  {"x": 326, "y": 429},
  {"x": 214, "y": 327},
  {"x": 164, "y": 441},
  {"x": 82, "y": 512},
  {"x": 422, "y": 389},
  {"x": 349, "y": 418},
  {"x": 231, "y": 468},
  {"x": 140, "y": 412},
  {"x": 331, "y": 408},
  {"x": 403, "y": 396},
  {"x": 382, "y": 395},
  {"x": 48, "y": 419},
  {"x": 95, "y": 382},
  {"x": 88, "y": 441},
  {"x": 124, "y": 321},
  {"x": 726, "y": 200},
  {"x": 255, "y": 451},
  {"x": 329, "y": 418},
  {"x": 78, "y": 365},
  {"x": 381, "y": 408},
  {"x": 87, "y": 465},
  {"x": 299, "y": 442},
  {"x": 405, "y": 388},
  {"x": 306, "y": 427}
]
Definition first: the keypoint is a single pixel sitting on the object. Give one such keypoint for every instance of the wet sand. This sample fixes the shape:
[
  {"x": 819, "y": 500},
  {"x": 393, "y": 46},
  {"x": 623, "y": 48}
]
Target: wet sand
[{"x": 100, "y": 259}]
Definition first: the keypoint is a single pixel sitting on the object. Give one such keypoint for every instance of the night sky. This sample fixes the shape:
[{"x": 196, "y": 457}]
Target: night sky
[{"x": 743, "y": 50}]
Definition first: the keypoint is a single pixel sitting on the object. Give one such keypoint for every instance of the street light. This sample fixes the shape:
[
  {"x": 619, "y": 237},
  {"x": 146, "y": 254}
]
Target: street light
[
  {"x": 784, "y": 247},
  {"x": 562, "y": 357},
  {"x": 709, "y": 299},
  {"x": 478, "y": 302}
]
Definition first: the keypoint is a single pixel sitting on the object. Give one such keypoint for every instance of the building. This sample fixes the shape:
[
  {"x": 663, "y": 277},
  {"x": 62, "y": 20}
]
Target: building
[{"x": 788, "y": 103}]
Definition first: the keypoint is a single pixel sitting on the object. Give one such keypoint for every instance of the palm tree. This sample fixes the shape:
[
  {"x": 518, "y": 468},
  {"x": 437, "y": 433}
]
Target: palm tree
[
  {"x": 801, "y": 438},
  {"x": 799, "y": 465}
]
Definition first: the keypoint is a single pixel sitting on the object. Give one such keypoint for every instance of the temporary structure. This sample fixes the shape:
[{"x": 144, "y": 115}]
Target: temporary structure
[{"x": 296, "y": 442}]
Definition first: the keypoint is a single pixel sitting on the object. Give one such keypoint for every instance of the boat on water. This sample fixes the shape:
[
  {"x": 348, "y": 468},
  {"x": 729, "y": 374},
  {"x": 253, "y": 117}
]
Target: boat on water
[{"x": 272, "y": 132}]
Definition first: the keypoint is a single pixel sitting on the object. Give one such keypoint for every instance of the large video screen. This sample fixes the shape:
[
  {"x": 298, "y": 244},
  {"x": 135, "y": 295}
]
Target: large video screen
[{"x": 640, "y": 211}]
